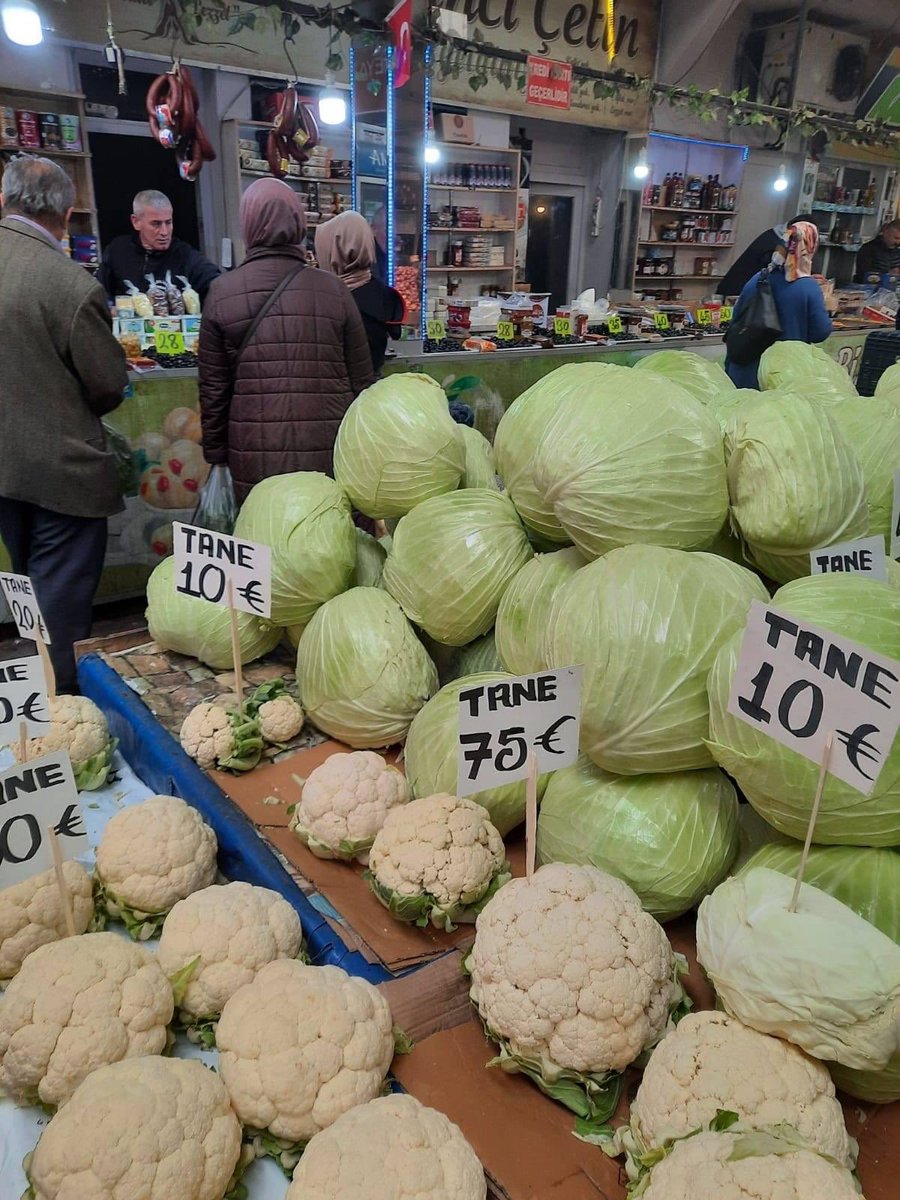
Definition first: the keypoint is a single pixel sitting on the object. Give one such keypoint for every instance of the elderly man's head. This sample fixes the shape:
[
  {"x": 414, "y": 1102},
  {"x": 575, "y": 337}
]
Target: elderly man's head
[
  {"x": 151, "y": 215},
  {"x": 40, "y": 190},
  {"x": 890, "y": 234}
]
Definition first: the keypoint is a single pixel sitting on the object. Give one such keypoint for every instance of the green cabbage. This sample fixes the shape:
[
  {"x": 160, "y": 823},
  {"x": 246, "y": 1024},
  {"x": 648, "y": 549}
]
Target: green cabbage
[
  {"x": 753, "y": 833},
  {"x": 451, "y": 560},
  {"x": 795, "y": 484},
  {"x": 453, "y": 662},
  {"x": 305, "y": 518},
  {"x": 431, "y": 758},
  {"x": 726, "y": 404},
  {"x": 200, "y": 629},
  {"x": 871, "y": 428},
  {"x": 398, "y": 445},
  {"x": 704, "y": 379},
  {"x": 889, "y": 385},
  {"x": 361, "y": 671},
  {"x": 805, "y": 370},
  {"x": 624, "y": 459},
  {"x": 646, "y": 622},
  {"x": 670, "y": 837},
  {"x": 779, "y": 782},
  {"x": 524, "y": 611},
  {"x": 370, "y": 556},
  {"x": 480, "y": 471}
]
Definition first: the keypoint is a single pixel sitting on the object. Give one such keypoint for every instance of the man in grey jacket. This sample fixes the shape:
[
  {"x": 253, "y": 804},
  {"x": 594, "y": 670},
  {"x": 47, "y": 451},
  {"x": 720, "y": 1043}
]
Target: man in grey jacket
[{"x": 61, "y": 370}]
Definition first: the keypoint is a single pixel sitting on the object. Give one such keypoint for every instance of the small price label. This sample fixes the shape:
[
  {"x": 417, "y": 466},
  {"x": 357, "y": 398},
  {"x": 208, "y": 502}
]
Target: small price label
[
  {"x": 704, "y": 316},
  {"x": 796, "y": 683},
  {"x": 562, "y": 326},
  {"x": 501, "y": 724},
  {"x": 725, "y": 313},
  {"x": 24, "y": 607},
  {"x": 206, "y": 563},
  {"x": 506, "y": 331},
  {"x": 614, "y": 324},
  {"x": 435, "y": 331},
  {"x": 862, "y": 556},
  {"x": 661, "y": 320},
  {"x": 23, "y": 698},
  {"x": 34, "y": 796},
  {"x": 168, "y": 343}
]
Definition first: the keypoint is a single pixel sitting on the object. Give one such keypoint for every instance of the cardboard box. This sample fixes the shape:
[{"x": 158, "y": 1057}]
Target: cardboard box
[{"x": 457, "y": 129}]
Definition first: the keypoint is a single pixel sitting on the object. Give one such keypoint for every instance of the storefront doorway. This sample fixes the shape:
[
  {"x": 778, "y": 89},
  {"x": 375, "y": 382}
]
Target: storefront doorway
[{"x": 549, "y": 245}]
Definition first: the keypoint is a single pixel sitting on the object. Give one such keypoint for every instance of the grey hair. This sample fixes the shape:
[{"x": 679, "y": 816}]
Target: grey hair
[
  {"x": 38, "y": 188},
  {"x": 150, "y": 199}
]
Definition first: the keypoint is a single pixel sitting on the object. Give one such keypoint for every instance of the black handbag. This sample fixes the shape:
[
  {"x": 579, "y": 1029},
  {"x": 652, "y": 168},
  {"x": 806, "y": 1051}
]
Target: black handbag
[{"x": 757, "y": 327}]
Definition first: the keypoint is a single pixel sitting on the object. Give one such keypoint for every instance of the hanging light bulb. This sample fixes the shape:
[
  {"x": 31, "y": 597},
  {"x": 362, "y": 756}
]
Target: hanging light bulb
[
  {"x": 781, "y": 180},
  {"x": 432, "y": 153},
  {"x": 641, "y": 168},
  {"x": 22, "y": 22},
  {"x": 332, "y": 105}
]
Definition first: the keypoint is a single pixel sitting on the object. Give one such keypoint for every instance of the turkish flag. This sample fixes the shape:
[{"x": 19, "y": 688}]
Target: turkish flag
[{"x": 399, "y": 21}]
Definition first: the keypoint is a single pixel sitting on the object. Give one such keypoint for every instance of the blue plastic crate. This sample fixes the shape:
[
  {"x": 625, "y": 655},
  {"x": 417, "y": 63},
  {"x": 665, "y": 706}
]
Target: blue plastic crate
[{"x": 881, "y": 350}]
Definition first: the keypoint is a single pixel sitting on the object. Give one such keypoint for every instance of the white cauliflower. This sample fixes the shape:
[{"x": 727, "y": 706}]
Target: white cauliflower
[
  {"x": 78, "y": 727},
  {"x": 141, "y": 1129},
  {"x": 756, "y": 1165},
  {"x": 298, "y": 1047},
  {"x": 437, "y": 859},
  {"x": 215, "y": 737},
  {"x": 344, "y": 803},
  {"x": 393, "y": 1148},
  {"x": 31, "y": 914},
  {"x": 76, "y": 1005},
  {"x": 712, "y": 1062},
  {"x": 574, "y": 981},
  {"x": 152, "y": 855},
  {"x": 218, "y": 939},
  {"x": 279, "y": 714}
]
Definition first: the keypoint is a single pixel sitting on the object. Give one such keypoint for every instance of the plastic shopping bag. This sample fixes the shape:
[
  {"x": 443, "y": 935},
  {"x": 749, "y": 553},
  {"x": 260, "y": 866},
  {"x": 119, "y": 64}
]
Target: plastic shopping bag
[{"x": 217, "y": 507}]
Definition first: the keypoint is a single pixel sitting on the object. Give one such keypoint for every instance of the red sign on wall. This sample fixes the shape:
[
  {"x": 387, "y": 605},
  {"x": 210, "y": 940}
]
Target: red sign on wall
[{"x": 549, "y": 83}]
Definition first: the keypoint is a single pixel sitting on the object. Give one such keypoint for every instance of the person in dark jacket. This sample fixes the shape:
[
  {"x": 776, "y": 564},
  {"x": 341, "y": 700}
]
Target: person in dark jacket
[
  {"x": 755, "y": 258},
  {"x": 153, "y": 250},
  {"x": 879, "y": 257},
  {"x": 345, "y": 246},
  {"x": 798, "y": 298},
  {"x": 274, "y": 404}
]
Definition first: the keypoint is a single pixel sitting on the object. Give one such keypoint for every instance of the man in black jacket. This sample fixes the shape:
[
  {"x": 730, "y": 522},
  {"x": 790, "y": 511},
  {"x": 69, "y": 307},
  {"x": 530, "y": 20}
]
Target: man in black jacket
[
  {"x": 152, "y": 250},
  {"x": 881, "y": 256}
]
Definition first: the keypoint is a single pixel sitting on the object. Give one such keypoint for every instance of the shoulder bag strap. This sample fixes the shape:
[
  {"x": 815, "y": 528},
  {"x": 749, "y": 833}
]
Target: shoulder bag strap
[{"x": 266, "y": 308}]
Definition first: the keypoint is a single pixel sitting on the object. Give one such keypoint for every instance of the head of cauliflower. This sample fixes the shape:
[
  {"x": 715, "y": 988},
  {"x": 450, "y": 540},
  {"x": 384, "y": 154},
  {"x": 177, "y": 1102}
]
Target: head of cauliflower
[
  {"x": 31, "y": 914},
  {"x": 300, "y": 1045},
  {"x": 78, "y": 727},
  {"x": 393, "y": 1148},
  {"x": 574, "y": 981},
  {"x": 345, "y": 802},
  {"x": 140, "y": 1127},
  {"x": 76, "y": 1005},
  {"x": 279, "y": 714},
  {"x": 214, "y": 736},
  {"x": 437, "y": 859},
  {"x": 152, "y": 855},
  {"x": 225, "y": 934}
]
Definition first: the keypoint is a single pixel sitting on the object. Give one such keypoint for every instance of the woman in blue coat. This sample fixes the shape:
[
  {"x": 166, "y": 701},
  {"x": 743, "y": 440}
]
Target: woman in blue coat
[{"x": 798, "y": 298}]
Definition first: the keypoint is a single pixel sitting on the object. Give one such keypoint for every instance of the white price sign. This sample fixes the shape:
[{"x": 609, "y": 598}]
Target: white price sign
[
  {"x": 862, "y": 556},
  {"x": 24, "y": 607},
  {"x": 35, "y": 796},
  {"x": 797, "y": 683},
  {"x": 206, "y": 563},
  {"x": 502, "y": 724},
  {"x": 895, "y": 519},
  {"x": 23, "y": 698}
]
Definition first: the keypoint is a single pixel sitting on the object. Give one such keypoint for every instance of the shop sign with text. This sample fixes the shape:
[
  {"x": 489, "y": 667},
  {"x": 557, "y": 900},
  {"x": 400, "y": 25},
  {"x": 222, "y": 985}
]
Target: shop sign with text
[{"x": 549, "y": 83}]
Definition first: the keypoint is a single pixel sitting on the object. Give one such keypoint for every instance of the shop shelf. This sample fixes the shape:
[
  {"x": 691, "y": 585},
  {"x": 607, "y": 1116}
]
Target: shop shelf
[
  {"x": 696, "y": 245},
  {"x": 296, "y": 178},
  {"x": 821, "y": 206},
  {"x": 462, "y": 187},
  {"x": 663, "y": 277},
  {"x": 704, "y": 212},
  {"x": 852, "y": 248},
  {"x": 47, "y": 153},
  {"x": 456, "y": 270},
  {"x": 465, "y": 229}
]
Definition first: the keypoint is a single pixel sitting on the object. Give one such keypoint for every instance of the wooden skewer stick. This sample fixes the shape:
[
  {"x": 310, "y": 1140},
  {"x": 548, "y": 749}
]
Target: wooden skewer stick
[
  {"x": 49, "y": 673},
  {"x": 23, "y": 742},
  {"x": 61, "y": 881},
  {"x": 531, "y": 815},
  {"x": 813, "y": 817},
  {"x": 236, "y": 648}
]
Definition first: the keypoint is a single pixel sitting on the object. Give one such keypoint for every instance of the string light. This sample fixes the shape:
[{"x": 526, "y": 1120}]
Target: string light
[
  {"x": 781, "y": 181},
  {"x": 22, "y": 22}
]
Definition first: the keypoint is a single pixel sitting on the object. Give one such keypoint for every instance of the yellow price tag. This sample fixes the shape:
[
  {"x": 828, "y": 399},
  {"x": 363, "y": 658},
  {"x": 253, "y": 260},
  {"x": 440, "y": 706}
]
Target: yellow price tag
[
  {"x": 661, "y": 320},
  {"x": 704, "y": 316},
  {"x": 435, "y": 331},
  {"x": 562, "y": 326},
  {"x": 614, "y": 324},
  {"x": 169, "y": 343},
  {"x": 725, "y": 313},
  {"x": 506, "y": 331}
]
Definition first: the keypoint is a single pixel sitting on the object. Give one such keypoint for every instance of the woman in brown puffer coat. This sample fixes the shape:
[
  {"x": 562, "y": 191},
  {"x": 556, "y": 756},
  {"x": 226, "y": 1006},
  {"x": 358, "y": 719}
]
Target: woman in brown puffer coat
[{"x": 272, "y": 404}]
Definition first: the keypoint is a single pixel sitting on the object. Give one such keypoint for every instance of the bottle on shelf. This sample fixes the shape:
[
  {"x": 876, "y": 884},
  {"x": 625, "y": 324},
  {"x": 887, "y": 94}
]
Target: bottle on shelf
[
  {"x": 694, "y": 192},
  {"x": 679, "y": 192},
  {"x": 665, "y": 198},
  {"x": 716, "y": 193}
]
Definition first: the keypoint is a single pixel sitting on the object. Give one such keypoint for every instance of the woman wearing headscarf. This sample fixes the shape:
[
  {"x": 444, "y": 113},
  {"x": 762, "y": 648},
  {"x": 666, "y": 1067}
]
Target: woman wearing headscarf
[
  {"x": 798, "y": 298},
  {"x": 283, "y": 350},
  {"x": 345, "y": 245}
]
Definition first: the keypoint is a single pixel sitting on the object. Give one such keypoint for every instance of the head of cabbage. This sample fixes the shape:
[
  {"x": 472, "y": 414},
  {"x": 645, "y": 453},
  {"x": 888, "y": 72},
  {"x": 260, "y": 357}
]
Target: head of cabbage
[
  {"x": 806, "y": 370},
  {"x": 704, "y": 379},
  {"x": 670, "y": 837},
  {"x": 521, "y": 627},
  {"x": 480, "y": 471},
  {"x": 778, "y": 782},
  {"x": 794, "y": 483},
  {"x": 726, "y": 404},
  {"x": 453, "y": 662},
  {"x": 619, "y": 458},
  {"x": 305, "y": 519},
  {"x": 451, "y": 560},
  {"x": 871, "y": 428},
  {"x": 645, "y": 623},
  {"x": 889, "y": 385},
  {"x": 370, "y": 559},
  {"x": 398, "y": 445},
  {"x": 199, "y": 629},
  {"x": 431, "y": 755},
  {"x": 362, "y": 673}
]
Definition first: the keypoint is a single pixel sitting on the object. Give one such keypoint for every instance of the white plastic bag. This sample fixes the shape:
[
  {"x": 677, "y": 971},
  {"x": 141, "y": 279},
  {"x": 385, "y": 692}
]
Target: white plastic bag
[{"x": 217, "y": 507}]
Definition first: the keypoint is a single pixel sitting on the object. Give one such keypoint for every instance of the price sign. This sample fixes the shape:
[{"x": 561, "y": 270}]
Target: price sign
[
  {"x": 501, "y": 724},
  {"x": 562, "y": 326},
  {"x": 725, "y": 314},
  {"x": 862, "y": 556},
  {"x": 506, "y": 331},
  {"x": 24, "y": 607},
  {"x": 895, "y": 518},
  {"x": 34, "y": 796},
  {"x": 206, "y": 562},
  {"x": 23, "y": 698},
  {"x": 796, "y": 683},
  {"x": 435, "y": 331},
  {"x": 704, "y": 316},
  {"x": 614, "y": 324},
  {"x": 661, "y": 320},
  {"x": 168, "y": 343}
]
